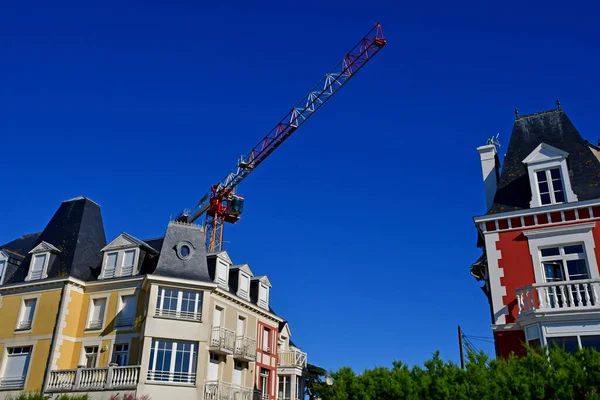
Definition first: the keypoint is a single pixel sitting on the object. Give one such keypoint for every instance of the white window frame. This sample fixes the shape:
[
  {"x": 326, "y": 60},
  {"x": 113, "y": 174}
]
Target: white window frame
[
  {"x": 221, "y": 265},
  {"x": 551, "y": 189},
  {"x": 4, "y": 363},
  {"x": 91, "y": 308},
  {"x": 192, "y": 367},
  {"x": 267, "y": 340},
  {"x": 18, "y": 329},
  {"x": 161, "y": 312},
  {"x": 129, "y": 294},
  {"x": 83, "y": 356},
  {"x": 3, "y": 266},
  {"x": 105, "y": 264},
  {"x": 135, "y": 258},
  {"x": 561, "y": 236},
  {"x": 44, "y": 274},
  {"x": 546, "y": 157}
]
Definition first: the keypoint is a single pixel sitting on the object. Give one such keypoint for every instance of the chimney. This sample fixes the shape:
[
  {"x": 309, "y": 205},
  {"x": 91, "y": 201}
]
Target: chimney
[{"x": 489, "y": 169}]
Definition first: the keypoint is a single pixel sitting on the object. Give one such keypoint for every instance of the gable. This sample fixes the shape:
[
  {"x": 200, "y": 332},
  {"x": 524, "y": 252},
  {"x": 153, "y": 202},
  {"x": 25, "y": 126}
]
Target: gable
[
  {"x": 244, "y": 268},
  {"x": 44, "y": 247},
  {"x": 543, "y": 153},
  {"x": 262, "y": 279},
  {"x": 285, "y": 330},
  {"x": 125, "y": 240}
]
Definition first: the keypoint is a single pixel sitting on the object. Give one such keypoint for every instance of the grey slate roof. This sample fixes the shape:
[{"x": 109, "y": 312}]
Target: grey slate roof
[{"x": 554, "y": 128}]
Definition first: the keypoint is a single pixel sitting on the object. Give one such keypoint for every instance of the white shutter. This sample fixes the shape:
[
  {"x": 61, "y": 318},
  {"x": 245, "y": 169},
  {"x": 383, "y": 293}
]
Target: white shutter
[
  {"x": 2, "y": 268},
  {"x": 97, "y": 316},
  {"x": 266, "y": 334},
  {"x": 244, "y": 284},
  {"x": 213, "y": 370},
  {"x": 237, "y": 376},
  {"x": 217, "y": 317},
  {"x": 241, "y": 325},
  {"x": 37, "y": 267},
  {"x": 128, "y": 259},
  {"x": 221, "y": 273},
  {"x": 111, "y": 265},
  {"x": 263, "y": 296},
  {"x": 28, "y": 309}
]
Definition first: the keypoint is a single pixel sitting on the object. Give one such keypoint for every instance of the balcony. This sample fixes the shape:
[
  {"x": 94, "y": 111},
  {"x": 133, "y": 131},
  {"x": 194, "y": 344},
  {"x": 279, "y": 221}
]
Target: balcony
[
  {"x": 168, "y": 376},
  {"x": 292, "y": 358},
  {"x": 245, "y": 349},
  {"x": 222, "y": 340},
  {"x": 556, "y": 297},
  {"x": 181, "y": 315},
  {"x": 216, "y": 390},
  {"x": 93, "y": 379}
]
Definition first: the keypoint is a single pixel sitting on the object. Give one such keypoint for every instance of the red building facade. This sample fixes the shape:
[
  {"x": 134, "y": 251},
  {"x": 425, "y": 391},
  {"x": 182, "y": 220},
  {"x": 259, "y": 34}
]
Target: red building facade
[
  {"x": 266, "y": 360},
  {"x": 538, "y": 237}
]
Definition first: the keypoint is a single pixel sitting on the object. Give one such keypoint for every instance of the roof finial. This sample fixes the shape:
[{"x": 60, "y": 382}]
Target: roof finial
[
  {"x": 516, "y": 113},
  {"x": 558, "y": 103}
]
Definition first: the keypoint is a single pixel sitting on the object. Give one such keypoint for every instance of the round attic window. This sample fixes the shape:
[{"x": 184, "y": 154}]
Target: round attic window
[{"x": 184, "y": 250}]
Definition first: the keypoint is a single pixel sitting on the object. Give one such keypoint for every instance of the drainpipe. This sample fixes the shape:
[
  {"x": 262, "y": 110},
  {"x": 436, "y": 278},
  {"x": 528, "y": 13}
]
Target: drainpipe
[{"x": 53, "y": 340}]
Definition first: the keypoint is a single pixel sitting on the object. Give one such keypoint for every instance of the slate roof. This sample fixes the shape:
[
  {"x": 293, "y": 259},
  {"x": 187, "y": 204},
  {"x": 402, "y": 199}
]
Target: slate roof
[{"x": 556, "y": 129}]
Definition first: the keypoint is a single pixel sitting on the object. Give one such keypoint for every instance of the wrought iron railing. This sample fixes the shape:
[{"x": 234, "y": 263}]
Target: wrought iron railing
[
  {"x": 245, "y": 347},
  {"x": 217, "y": 390},
  {"x": 222, "y": 338}
]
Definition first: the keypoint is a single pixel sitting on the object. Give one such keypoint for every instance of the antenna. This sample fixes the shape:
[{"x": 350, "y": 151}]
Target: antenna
[{"x": 494, "y": 140}]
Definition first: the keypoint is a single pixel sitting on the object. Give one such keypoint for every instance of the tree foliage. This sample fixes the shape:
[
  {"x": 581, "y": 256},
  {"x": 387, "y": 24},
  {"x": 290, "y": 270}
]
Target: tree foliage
[{"x": 542, "y": 374}]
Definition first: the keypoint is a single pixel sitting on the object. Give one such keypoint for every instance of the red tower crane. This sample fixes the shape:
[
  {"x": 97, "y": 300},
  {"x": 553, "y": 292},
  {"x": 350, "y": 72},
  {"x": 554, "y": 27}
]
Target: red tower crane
[{"x": 221, "y": 204}]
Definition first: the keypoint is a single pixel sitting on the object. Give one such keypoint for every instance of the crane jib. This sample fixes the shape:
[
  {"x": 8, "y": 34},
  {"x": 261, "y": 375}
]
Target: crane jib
[{"x": 353, "y": 61}]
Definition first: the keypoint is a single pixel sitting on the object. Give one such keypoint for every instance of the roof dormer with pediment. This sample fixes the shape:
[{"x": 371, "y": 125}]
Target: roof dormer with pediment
[{"x": 122, "y": 256}]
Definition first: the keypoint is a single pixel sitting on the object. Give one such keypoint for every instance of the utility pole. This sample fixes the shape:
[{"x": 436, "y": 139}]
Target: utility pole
[{"x": 460, "y": 346}]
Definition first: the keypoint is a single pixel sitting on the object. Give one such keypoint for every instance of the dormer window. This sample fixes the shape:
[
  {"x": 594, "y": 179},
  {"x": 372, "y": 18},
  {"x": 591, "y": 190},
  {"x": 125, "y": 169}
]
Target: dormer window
[
  {"x": 549, "y": 176},
  {"x": 40, "y": 258},
  {"x": 222, "y": 272},
  {"x": 263, "y": 296},
  {"x": 121, "y": 256},
  {"x": 244, "y": 275}
]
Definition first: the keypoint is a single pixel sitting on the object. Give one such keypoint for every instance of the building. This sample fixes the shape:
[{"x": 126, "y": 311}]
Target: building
[
  {"x": 540, "y": 260},
  {"x": 157, "y": 317}
]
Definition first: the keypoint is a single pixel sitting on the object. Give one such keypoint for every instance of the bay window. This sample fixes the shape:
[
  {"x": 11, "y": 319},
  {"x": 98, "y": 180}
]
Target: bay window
[
  {"x": 179, "y": 304},
  {"x": 173, "y": 361}
]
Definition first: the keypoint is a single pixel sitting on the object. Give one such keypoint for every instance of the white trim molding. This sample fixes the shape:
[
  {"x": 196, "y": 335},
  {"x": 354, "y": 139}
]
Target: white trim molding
[
  {"x": 544, "y": 157},
  {"x": 562, "y": 235},
  {"x": 495, "y": 273}
]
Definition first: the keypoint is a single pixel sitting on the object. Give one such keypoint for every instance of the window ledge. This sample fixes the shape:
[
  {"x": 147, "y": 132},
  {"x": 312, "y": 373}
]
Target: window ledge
[
  {"x": 22, "y": 331},
  {"x": 93, "y": 329}
]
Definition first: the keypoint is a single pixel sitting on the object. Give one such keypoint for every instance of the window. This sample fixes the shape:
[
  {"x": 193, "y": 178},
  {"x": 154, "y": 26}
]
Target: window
[
  {"x": 221, "y": 275},
  {"x": 213, "y": 368},
  {"x": 263, "y": 296},
  {"x": 564, "y": 263},
  {"x": 179, "y": 304},
  {"x": 172, "y": 361},
  {"x": 128, "y": 263},
  {"x": 15, "y": 369},
  {"x": 2, "y": 270},
  {"x": 592, "y": 341},
  {"x": 120, "y": 354},
  {"x": 238, "y": 371},
  {"x": 96, "y": 314},
  {"x": 244, "y": 286},
  {"x": 38, "y": 266},
  {"x": 569, "y": 343},
  {"x": 284, "y": 388},
  {"x": 90, "y": 356},
  {"x": 126, "y": 313},
  {"x": 26, "y": 315},
  {"x": 264, "y": 383},
  {"x": 110, "y": 268},
  {"x": 266, "y": 340},
  {"x": 550, "y": 186}
]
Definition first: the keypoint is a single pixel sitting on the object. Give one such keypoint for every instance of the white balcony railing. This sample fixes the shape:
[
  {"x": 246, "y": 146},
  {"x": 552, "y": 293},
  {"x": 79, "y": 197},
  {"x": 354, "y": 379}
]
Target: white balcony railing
[
  {"x": 9, "y": 382},
  {"x": 222, "y": 339},
  {"x": 217, "y": 390},
  {"x": 559, "y": 296},
  {"x": 245, "y": 347},
  {"x": 292, "y": 358},
  {"x": 95, "y": 324},
  {"x": 174, "y": 314},
  {"x": 90, "y": 379}
]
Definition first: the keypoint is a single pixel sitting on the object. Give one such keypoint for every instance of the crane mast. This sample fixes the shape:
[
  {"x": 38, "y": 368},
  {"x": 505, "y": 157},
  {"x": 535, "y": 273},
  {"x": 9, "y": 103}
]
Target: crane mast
[{"x": 221, "y": 203}]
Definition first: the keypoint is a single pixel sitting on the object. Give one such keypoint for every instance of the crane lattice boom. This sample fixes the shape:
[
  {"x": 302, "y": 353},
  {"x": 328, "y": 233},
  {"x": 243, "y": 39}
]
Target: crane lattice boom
[{"x": 217, "y": 203}]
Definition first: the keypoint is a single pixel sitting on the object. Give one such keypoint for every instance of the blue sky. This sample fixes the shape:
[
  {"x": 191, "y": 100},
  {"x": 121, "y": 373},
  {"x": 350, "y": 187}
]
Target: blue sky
[{"x": 362, "y": 220}]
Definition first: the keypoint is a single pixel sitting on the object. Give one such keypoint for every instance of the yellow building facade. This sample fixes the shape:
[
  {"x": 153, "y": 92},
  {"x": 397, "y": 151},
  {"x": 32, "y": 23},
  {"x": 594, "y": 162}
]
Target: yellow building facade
[{"x": 157, "y": 317}]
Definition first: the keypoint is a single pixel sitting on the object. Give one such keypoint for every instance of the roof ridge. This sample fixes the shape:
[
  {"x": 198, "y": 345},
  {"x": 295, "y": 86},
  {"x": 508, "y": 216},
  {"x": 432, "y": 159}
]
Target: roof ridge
[{"x": 539, "y": 113}]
